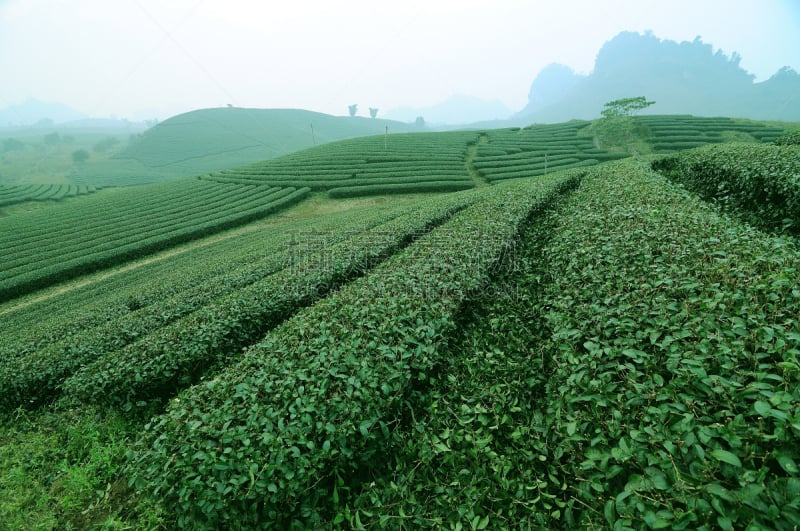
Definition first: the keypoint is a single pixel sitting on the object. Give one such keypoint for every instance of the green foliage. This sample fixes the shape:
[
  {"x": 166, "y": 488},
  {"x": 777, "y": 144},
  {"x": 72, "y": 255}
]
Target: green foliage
[
  {"x": 407, "y": 163},
  {"x": 463, "y": 457},
  {"x": 52, "y": 139},
  {"x": 670, "y": 133},
  {"x": 515, "y": 153},
  {"x": 60, "y": 469},
  {"x": 789, "y": 139},
  {"x": 758, "y": 181},
  {"x": 399, "y": 188},
  {"x": 625, "y": 107},
  {"x": 64, "y": 241},
  {"x": 623, "y": 356},
  {"x": 210, "y": 140},
  {"x": 79, "y": 156},
  {"x": 177, "y": 355},
  {"x": 13, "y": 194},
  {"x": 45, "y": 342},
  {"x": 668, "y": 395},
  {"x": 131, "y": 303},
  {"x": 302, "y": 411}
]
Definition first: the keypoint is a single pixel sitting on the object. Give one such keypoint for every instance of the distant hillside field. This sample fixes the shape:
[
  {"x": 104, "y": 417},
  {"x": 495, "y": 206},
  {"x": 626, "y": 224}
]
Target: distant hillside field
[
  {"x": 56, "y": 244},
  {"x": 402, "y": 163},
  {"x": 456, "y": 160},
  {"x": 13, "y": 194},
  {"x": 209, "y": 140}
]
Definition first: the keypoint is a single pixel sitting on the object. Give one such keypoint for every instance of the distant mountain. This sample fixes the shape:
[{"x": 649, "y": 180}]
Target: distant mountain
[
  {"x": 682, "y": 78},
  {"x": 106, "y": 123},
  {"x": 550, "y": 85},
  {"x": 32, "y": 111},
  {"x": 455, "y": 110}
]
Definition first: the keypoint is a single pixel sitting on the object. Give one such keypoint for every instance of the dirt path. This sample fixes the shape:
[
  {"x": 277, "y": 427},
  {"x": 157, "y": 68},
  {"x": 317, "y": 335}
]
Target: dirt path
[
  {"x": 49, "y": 293},
  {"x": 316, "y": 205},
  {"x": 472, "y": 152}
]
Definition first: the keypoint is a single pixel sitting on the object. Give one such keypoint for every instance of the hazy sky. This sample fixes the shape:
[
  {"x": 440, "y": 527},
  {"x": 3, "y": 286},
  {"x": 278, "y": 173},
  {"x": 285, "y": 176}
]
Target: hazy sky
[{"x": 155, "y": 58}]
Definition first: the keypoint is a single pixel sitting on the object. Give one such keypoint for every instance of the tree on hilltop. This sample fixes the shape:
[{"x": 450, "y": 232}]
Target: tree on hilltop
[
  {"x": 625, "y": 107},
  {"x": 373, "y": 112},
  {"x": 79, "y": 156},
  {"x": 353, "y": 109},
  {"x": 617, "y": 131}
]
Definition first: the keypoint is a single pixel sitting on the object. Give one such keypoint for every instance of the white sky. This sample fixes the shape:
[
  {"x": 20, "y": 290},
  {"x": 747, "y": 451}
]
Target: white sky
[{"x": 155, "y": 58}]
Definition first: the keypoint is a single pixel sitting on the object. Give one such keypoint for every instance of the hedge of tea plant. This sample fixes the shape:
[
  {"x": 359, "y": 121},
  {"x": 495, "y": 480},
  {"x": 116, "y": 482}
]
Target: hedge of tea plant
[
  {"x": 397, "y": 163},
  {"x": 533, "y": 151},
  {"x": 760, "y": 181},
  {"x": 132, "y": 303},
  {"x": 154, "y": 352},
  {"x": 265, "y": 442},
  {"x": 29, "y": 375},
  {"x": 11, "y": 194},
  {"x": 61, "y": 242},
  {"x": 669, "y": 133},
  {"x": 175, "y": 356},
  {"x": 670, "y": 387},
  {"x": 789, "y": 139},
  {"x": 639, "y": 369}
]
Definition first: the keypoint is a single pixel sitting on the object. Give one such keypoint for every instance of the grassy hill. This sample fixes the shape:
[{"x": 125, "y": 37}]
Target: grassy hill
[
  {"x": 208, "y": 140},
  {"x": 586, "y": 347}
]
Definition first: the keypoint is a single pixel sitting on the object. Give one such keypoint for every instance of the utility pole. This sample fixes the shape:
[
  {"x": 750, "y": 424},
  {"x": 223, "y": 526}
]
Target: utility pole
[
  {"x": 313, "y": 138},
  {"x": 386, "y": 140}
]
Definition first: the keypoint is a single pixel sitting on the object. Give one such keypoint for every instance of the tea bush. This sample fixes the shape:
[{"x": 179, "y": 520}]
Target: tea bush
[{"x": 760, "y": 181}]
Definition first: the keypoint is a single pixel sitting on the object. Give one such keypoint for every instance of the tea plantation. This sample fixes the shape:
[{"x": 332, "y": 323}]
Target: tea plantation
[
  {"x": 13, "y": 194},
  {"x": 571, "y": 338}
]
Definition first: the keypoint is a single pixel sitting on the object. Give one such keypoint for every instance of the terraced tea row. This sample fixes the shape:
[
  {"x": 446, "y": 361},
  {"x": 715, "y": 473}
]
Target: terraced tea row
[
  {"x": 670, "y": 390},
  {"x": 760, "y": 182},
  {"x": 638, "y": 369},
  {"x": 398, "y": 163},
  {"x": 265, "y": 441},
  {"x": 171, "y": 283},
  {"x": 13, "y": 194},
  {"x": 536, "y": 150},
  {"x": 153, "y": 352},
  {"x": 676, "y": 133},
  {"x": 45, "y": 247}
]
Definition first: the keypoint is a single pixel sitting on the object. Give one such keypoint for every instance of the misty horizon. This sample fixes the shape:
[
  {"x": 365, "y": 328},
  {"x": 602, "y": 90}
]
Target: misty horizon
[{"x": 140, "y": 60}]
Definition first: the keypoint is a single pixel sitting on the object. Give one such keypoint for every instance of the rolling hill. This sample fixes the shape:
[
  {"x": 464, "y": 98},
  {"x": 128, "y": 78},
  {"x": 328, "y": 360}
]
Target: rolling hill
[{"x": 208, "y": 140}]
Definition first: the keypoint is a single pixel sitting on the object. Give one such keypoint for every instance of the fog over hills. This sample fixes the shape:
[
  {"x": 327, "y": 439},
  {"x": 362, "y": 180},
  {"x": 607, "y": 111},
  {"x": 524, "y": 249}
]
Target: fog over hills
[
  {"x": 687, "y": 77},
  {"x": 457, "y": 109},
  {"x": 683, "y": 78},
  {"x": 33, "y": 111}
]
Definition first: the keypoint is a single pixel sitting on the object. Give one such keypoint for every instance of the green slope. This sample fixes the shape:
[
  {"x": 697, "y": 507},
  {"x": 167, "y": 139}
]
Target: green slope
[{"x": 207, "y": 140}]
